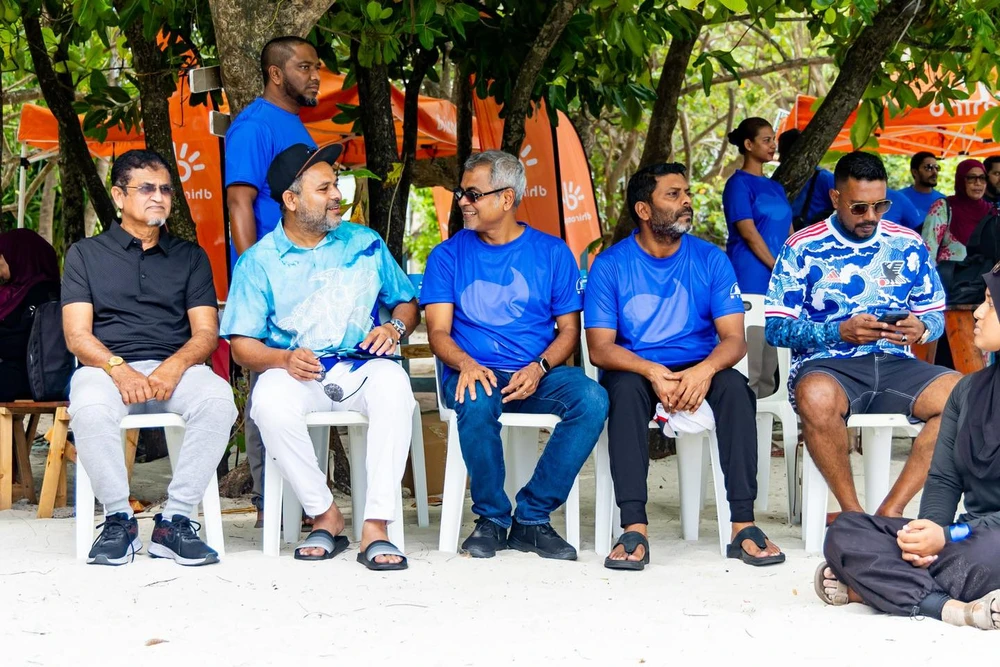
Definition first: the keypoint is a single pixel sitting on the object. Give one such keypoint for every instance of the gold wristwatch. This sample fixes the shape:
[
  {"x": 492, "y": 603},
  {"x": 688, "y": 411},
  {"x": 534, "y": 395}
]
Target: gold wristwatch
[{"x": 111, "y": 363}]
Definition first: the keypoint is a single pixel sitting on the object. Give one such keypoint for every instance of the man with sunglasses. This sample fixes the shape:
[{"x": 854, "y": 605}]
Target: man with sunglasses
[
  {"x": 503, "y": 316},
  {"x": 302, "y": 312},
  {"x": 924, "y": 169},
  {"x": 849, "y": 295},
  {"x": 139, "y": 313}
]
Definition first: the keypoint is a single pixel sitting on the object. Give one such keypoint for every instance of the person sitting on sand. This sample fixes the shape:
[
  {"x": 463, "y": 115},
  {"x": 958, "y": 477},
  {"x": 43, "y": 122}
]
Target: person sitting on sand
[
  {"x": 141, "y": 316},
  {"x": 664, "y": 320},
  {"x": 936, "y": 566},
  {"x": 300, "y": 313},
  {"x": 849, "y": 295}
]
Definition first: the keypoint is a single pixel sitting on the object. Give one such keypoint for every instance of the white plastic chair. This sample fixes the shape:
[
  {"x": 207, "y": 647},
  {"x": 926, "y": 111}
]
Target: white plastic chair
[
  {"x": 693, "y": 458},
  {"x": 173, "y": 426},
  {"x": 279, "y": 498},
  {"x": 520, "y": 439},
  {"x": 775, "y": 405},
  {"x": 876, "y": 444}
]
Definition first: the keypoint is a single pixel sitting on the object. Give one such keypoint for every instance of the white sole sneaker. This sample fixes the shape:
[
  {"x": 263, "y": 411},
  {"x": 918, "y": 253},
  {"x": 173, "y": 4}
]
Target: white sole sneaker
[
  {"x": 101, "y": 559},
  {"x": 157, "y": 550}
]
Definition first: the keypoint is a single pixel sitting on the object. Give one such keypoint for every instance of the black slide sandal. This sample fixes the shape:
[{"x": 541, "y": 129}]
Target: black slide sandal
[
  {"x": 322, "y": 539},
  {"x": 736, "y": 550},
  {"x": 630, "y": 541}
]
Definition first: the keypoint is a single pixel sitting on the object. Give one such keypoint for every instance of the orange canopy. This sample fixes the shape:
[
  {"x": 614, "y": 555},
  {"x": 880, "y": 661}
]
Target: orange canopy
[{"x": 929, "y": 128}]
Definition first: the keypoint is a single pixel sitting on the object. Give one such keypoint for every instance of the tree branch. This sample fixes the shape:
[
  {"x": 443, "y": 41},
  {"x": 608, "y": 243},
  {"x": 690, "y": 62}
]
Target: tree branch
[{"x": 761, "y": 71}]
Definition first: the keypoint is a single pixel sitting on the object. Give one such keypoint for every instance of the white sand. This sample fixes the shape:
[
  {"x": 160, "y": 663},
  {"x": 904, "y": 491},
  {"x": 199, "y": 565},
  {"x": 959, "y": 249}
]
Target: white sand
[{"x": 690, "y": 606}]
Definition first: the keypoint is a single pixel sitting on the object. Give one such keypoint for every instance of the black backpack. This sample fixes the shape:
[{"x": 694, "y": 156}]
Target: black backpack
[
  {"x": 963, "y": 280},
  {"x": 50, "y": 364}
]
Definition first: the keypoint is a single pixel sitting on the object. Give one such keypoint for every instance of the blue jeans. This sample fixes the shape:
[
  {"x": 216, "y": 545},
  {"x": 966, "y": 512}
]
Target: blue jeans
[{"x": 581, "y": 403}]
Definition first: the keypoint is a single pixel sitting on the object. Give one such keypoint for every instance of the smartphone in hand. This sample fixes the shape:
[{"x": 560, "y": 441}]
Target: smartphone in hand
[{"x": 894, "y": 316}]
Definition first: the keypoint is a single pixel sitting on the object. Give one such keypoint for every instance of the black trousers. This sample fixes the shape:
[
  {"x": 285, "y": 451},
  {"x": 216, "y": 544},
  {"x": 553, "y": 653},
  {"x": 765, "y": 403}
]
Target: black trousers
[
  {"x": 14, "y": 382},
  {"x": 862, "y": 551},
  {"x": 633, "y": 403}
]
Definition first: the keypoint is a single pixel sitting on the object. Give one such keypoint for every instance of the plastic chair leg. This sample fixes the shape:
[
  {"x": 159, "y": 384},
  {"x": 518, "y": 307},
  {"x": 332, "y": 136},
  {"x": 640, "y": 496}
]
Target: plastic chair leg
[
  {"x": 85, "y": 504},
  {"x": 604, "y": 499},
  {"x": 765, "y": 427},
  {"x": 790, "y": 441},
  {"x": 690, "y": 471},
  {"x": 273, "y": 484},
  {"x": 815, "y": 495},
  {"x": 877, "y": 448},
  {"x": 419, "y": 468},
  {"x": 719, "y": 483},
  {"x": 572, "y": 509},
  {"x": 359, "y": 476},
  {"x": 453, "y": 497}
]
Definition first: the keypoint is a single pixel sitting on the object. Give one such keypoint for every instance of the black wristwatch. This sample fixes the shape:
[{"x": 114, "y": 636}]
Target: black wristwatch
[{"x": 544, "y": 364}]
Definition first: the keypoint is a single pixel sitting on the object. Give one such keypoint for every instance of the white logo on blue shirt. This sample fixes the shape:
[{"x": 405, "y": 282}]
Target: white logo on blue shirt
[{"x": 493, "y": 304}]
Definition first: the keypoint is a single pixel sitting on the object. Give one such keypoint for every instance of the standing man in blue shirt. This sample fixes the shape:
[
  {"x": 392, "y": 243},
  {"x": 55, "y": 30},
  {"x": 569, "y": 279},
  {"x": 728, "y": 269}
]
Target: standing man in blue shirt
[
  {"x": 269, "y": 125},
  {"x": 903, "y": 211},
  {"x": 300, "y": 313},
  {"x": 503, "y": 315},
  {"x": 924, "y": 169},
  {"x": 664, "y": 318}
]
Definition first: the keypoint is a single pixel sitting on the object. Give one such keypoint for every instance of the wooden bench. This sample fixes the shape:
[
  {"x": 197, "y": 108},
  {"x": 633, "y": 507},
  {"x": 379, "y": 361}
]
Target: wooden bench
[
  {"x": 16, "y": 437},
  {"x": 958, "y": 326}
]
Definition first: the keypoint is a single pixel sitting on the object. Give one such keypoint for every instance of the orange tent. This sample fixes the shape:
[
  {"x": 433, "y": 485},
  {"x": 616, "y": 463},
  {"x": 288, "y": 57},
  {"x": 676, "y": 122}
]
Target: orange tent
[{"x": 929, "y": 128}]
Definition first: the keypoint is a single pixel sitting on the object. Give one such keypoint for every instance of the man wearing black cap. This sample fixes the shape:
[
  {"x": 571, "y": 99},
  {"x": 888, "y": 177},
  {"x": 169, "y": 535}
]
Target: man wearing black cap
[{"x": 303, "y": 312}]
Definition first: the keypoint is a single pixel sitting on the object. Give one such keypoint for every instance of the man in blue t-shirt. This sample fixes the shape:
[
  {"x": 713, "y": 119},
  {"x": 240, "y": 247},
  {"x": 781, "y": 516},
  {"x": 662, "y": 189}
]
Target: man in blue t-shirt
[
  {"x": 269, "y": 125},
  {"x": 849, "y": 295},
  {"x": 503, "y": 315},
  {"x": 924, "y": 169},
  {"x": 300, "y": 313},
  {"x": 664, "y": 319},
  {"x": 903, "y": 211}
]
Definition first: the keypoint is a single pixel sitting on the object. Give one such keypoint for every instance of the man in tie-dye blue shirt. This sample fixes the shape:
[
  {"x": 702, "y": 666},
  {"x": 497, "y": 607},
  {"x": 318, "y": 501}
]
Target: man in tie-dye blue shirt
[
  {"x": 503, "y": 316},
  {"x": 849, "y": 295}
]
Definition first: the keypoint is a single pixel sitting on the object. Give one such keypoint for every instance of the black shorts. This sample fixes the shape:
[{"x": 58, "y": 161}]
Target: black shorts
[{"x": 877, "y": 383}]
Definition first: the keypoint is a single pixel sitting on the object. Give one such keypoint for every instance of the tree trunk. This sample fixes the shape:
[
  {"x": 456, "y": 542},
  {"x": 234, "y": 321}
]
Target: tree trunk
[
  {"x": 516, "y": 108},
  {"x": 243, "y": 27},
  {"x": 659, "y": 137},
  {"x": 420, "y": 63},
  {"x": 75, "y": 164},
  {"x": 46, "y": 212},
  {"x": 90, "y": 217},
  {"x": 156, "y": 85},
  {"x": 862, "y": 60},
  {"x": 463, "y": 135}
]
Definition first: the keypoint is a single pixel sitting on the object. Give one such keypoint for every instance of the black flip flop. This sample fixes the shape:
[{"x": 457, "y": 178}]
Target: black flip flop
[
  {"x": 736, "y": 550},
  {"x": 382, "y": 548},
  {"x": 630, "y": 541},
  {"x": 322, "y": 539}
]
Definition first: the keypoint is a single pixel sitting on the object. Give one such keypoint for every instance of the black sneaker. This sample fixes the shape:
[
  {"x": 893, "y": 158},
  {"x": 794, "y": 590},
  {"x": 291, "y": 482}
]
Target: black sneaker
[
  {"x": 486, "y": 540},
  {"x": 542, "y": 540},
  {"x": 178, "y": 539},
  {"x": 117, "y": 542}
]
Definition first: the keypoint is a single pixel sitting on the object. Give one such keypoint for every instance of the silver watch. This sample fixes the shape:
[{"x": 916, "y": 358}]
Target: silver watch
[
  {"x": 398, "y": 325},
  {"x": 923, "y": 338}
]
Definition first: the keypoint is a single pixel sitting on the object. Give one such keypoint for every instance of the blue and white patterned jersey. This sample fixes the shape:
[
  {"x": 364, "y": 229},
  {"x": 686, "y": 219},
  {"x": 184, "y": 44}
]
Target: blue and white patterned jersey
[{"x": 822, "y": 278}]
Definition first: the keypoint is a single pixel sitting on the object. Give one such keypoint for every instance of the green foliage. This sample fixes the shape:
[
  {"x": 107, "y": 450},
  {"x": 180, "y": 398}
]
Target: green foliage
[{"x": 425, "y": 232}]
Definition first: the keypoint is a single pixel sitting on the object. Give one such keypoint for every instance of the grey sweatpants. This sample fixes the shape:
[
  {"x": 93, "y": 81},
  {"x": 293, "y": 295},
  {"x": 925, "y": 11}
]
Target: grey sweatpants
[
  {"x": 762, "y": 361},
  {"x": 202, "y": 398}
]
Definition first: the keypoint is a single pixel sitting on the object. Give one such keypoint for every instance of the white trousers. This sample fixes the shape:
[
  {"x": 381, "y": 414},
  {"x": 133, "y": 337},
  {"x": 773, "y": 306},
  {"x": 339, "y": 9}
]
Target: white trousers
[{"x": 379, "y": 389}]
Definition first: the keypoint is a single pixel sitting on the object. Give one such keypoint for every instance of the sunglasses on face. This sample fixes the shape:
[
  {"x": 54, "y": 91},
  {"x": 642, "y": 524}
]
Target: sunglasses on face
[
  {"x": 981, "y": 178},
  {"x": 147, "y": 189},
  {"x": 473, "y": 195},
  {"x": 861, "y": 208}
]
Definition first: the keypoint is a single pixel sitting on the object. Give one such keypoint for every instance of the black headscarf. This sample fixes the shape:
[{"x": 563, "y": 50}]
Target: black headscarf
[{"x": 978, "y": 445}]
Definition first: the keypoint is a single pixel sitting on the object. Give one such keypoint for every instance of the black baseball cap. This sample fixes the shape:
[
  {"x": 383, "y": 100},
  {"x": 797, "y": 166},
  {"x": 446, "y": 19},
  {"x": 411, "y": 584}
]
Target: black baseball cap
[{"x": 290, "y": 163}]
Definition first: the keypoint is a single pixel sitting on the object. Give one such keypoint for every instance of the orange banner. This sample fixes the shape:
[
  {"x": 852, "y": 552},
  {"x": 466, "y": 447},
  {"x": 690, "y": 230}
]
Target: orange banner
[
  {"x": 581, "y": 222},
  {"x": 929, "y": 128}
]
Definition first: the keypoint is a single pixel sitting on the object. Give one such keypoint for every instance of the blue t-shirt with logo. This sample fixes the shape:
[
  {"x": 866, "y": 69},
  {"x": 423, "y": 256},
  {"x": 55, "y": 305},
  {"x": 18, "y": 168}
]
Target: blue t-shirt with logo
[
  {"x": 757, "y": 198},
  {"x": 259, "y": 133},
  {"x": 506, "y": 297},
  {"x": 902, "y": 211},
  {"x": 922, "y": 200},
  {"x": 663, "y": 310}
]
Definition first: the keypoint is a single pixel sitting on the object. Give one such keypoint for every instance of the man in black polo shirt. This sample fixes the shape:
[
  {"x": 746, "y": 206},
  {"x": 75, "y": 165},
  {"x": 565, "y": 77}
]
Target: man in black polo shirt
[{"x": 139, "y": 312}]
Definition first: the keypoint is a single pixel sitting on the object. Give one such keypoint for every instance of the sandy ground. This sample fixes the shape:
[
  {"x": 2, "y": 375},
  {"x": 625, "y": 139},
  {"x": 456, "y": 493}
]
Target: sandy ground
[{"x": 690, "y": 606}]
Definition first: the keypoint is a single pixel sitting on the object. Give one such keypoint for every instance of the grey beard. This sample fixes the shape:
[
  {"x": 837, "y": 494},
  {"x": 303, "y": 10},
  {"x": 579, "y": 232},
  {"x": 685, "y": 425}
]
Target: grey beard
[
  {"x": 317, "y": 224},
  {"x": 672, "y": 230},
  {"x": 156, "y": 222}
]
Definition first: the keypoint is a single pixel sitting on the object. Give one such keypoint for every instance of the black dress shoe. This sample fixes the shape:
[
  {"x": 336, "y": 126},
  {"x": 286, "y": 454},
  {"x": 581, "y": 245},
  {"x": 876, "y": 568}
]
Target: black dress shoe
[
  {"x": 486, "y": 540},
  {"x": 542, "y": 540}
]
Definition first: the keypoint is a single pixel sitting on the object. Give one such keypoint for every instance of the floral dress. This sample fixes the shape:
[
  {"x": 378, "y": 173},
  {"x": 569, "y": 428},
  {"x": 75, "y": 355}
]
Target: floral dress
[{"x": 937, "y": 234}]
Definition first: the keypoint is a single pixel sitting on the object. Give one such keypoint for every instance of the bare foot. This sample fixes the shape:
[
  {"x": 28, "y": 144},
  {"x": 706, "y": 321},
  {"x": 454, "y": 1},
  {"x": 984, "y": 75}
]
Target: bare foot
[
  {"x": 372, "y": 531},
  {"x": 332, "y": 521},
  {"x": 751, "y": 547},
  {"x": 890, "y": 509},
  {"x": 619, "y": 553}
]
